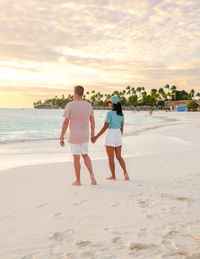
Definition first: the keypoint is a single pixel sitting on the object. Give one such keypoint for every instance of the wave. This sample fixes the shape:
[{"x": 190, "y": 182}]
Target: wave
[
  {"x": 143, "y": 130},
  {"x": 26, "y": 140},
  {"x": 29, "y": 130}
]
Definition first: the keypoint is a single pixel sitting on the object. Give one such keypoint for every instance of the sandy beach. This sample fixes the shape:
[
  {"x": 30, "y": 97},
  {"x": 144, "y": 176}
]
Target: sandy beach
[{"x": 154, "y": 215}]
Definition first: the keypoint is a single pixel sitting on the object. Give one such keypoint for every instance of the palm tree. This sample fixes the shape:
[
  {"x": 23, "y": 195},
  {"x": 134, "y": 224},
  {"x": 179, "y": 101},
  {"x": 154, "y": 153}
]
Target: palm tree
[
  {"x": 128, "y": 87},
  {"x": 133, "y": 91},
  {"x": 144, "y": 93},
  {"x": 92, "y": 98},
  {"x": 173, "y": 92},
  {"x": 142, "y": 90},
  {"x": 123, "y": 93},
  {"x": 154, "y": 95},
  {"x": 138, "y": 89},
  {"x": 162, "y": 93},
  {"x": 128, "y": 93},
  {"x": 173, "y": 88},
  {"x": 167, "y": 86},
  {"x": 116, "y": 93},
  {"x": 168, "y": 94},
  {"x": 153, "y": 92},
  {"x": 128, "y": 96},
  {"x": 192, "y": 92},
  {"x": 87, "y": 95},
  {"x": 198, "y": 95}
]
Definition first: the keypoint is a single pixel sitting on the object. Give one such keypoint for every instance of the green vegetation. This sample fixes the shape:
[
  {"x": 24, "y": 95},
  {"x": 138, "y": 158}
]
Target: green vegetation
[
  {"x": 130, "y": 96},
  {"x": 192, "y": 105}
]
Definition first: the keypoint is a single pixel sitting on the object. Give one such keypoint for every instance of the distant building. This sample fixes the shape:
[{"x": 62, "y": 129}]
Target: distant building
[
  {"x": 179, "y": 105},
  {"x": 181, "y": 108},
  {"x": 183, "y": 102}
]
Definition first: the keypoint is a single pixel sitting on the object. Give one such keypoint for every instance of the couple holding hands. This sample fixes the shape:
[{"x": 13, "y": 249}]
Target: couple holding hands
[{"x": 78, "y": 114}]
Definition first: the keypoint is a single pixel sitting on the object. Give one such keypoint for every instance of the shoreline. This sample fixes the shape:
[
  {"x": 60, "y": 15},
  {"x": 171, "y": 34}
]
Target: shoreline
[
  {"x": 54, "y": 138},
  {"x": 41, "y": 151}
]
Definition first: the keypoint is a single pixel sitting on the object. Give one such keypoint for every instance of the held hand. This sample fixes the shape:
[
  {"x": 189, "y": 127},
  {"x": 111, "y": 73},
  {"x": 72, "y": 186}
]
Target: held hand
[
  {"x": 62, "y": 143},
  {"x": 94, "y": 139},
  {"x": 91, "y": 138}
]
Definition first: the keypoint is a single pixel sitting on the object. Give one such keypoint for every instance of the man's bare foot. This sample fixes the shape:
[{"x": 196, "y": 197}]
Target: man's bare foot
[
  {"x": 77, "y": 183},
  {"x": 111, "y": 178},
  {"x": 93, "y": 181},
  {"x": 126, "y": 177}
]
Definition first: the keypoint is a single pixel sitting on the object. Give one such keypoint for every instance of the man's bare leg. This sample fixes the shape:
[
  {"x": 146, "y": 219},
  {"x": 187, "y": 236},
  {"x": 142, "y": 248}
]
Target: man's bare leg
[
  {"x": 121, "y": 162},
  {"x": 77, "y": 167},
  {"x": 110, "y": 153},
  {"x": 88, "y": 164}
]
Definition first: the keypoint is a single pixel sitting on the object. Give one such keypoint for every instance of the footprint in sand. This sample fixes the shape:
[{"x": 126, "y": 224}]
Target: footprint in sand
[
  {"x": 195, "y": 256},
  {"x": 142, "y": 204},
  {"x": 149, "y": 216},
  {"x": 139, "y": 246},
  {"x": 182, "y": 253},
  {"x": 87, "y": 254},
  {"x": 182, "y": 199},
  {"x": 114, "y": 204},
  {"x": 70, "y": 256},
  {"x": 82, "y": 243},
  {"x": 57, "y": 236},
  {"x": 174, "y": 197},
  {"x": 79, "y": 202},
  {"x": 115, "y": 232},
  {"x": 116, "y": 240},
  {"x": 27, "y": 257},
  {"x": 5, "y": 216},
  {"x": 58, "y": 215},
  {"x": 42, "y": 205}
]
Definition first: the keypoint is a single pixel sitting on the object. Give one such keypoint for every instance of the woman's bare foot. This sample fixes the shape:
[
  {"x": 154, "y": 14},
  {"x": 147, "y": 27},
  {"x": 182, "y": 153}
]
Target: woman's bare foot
[
  {"x": 111, "y": 178},
  {"x": 93, "y": 181},
  {"x": 77, "y": 183},
  {"x": 126, "y": 177}
]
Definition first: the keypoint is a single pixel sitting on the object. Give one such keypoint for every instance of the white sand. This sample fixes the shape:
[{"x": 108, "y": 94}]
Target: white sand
[{"x": 155, "y": 215}]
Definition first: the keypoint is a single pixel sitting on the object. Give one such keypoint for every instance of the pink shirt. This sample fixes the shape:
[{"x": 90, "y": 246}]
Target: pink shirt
[{"x": 79, "y": 113}]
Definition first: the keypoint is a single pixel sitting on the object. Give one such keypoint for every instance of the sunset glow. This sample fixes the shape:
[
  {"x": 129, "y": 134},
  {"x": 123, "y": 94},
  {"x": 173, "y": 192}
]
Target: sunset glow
[{"x": 49, "y": 46}]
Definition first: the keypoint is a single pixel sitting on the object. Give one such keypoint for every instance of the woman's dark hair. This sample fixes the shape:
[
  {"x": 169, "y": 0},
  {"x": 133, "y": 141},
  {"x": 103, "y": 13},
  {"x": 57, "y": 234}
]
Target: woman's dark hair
[{"x": 118, "y": 108}]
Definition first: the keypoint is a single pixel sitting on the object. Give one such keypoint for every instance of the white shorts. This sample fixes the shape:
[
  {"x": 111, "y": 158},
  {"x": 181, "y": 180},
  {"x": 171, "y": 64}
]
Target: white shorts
[
  {"x": 113, "y": 138},
  {"x": 79, "y": 149}
]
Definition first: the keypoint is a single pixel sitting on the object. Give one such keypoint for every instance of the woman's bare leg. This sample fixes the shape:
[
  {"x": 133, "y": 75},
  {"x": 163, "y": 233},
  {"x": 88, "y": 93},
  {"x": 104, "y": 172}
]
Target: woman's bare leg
[
  {"x": 118, "y": 151},
  {"x": 110, "y": 153}
]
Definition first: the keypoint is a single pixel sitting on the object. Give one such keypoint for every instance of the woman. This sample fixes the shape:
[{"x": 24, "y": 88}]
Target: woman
[{"x": 114, "y": 122}]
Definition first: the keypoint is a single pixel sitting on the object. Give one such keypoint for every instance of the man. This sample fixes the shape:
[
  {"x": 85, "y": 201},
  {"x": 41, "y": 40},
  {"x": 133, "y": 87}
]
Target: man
[{"x": 77, "y": 115}]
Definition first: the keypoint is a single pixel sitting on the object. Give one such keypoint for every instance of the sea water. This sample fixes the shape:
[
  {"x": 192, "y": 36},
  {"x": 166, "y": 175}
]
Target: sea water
[
  {"x": 29, "y": 136},
  {"x": 19, "y": 125}
]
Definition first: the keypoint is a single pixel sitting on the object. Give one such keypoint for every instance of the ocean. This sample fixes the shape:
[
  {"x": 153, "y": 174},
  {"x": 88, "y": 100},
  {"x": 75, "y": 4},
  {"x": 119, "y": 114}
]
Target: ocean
[{"x": 20, "y": 125}]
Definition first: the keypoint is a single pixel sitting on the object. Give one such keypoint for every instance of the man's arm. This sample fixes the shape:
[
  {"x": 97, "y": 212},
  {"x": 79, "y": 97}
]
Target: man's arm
[
  {"x": 92, "y": 124},
  {"x": 64, "y": 129}
]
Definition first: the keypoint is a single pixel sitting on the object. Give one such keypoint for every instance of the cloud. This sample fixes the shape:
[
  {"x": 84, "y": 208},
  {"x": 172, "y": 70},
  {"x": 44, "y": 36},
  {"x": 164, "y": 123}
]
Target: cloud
[{"x": 104, "y": 42}]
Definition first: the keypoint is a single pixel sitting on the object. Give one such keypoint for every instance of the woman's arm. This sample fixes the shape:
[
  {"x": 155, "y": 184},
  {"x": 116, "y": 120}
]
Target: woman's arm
[
  {"x": 122, "y": 128},
  {"x": 106, "y": 124}
]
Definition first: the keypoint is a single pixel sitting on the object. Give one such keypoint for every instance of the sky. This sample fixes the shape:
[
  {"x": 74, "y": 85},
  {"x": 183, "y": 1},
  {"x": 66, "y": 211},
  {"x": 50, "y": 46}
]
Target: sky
[{"x": 49, "y": 46}]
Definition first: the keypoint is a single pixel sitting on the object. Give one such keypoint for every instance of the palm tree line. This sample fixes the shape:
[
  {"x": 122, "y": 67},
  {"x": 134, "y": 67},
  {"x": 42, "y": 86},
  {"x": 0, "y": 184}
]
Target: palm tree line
[{"x": 130, "y": 96}]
